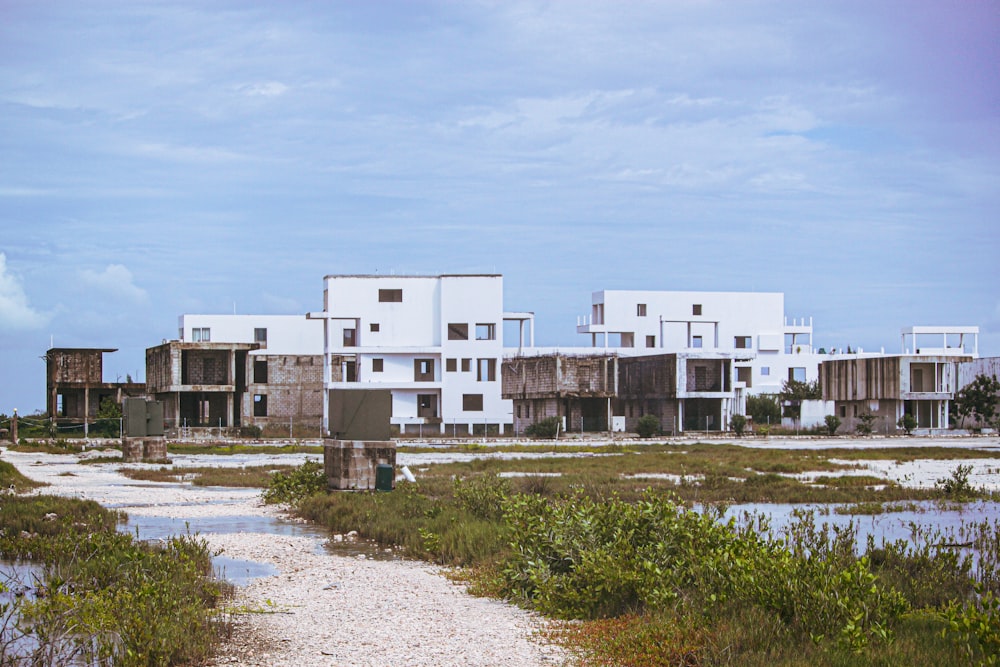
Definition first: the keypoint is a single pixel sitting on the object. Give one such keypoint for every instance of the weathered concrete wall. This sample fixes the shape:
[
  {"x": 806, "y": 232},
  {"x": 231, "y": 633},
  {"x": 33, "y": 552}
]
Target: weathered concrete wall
[
  {"x": 968, "y": 370},
  {"x": 711, "y": 378},
  {"x": 294, "y": 389},
  {"x": 74, "y": 366},
  {"x": 144, "y": 449},
  {"x": 350, "y": 464},
  {"x": 163, "y": 364},
  {"x": 860, "y": 379},
  {"x": 559, "y": 375},
  {"x": 648, "y": 377}
]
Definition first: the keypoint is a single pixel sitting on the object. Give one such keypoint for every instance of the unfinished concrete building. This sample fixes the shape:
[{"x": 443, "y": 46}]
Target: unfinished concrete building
[
  {"x": 285, "y": 393},
  {"x": 889, "y": 387},
  {"x": 75, "y": 385},
  {"x": 578, "y": 388},
  {"x": 199, "y": 384},
  {"x": 609, "y": 392}
]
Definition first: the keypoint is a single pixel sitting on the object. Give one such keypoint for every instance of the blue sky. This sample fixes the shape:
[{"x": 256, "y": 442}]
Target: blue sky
[{"x": 168, "y": 157}]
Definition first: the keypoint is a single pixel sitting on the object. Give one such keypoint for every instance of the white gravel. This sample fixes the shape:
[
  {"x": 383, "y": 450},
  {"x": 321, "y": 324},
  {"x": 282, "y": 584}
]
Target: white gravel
[{"x": 321, "y": 608}]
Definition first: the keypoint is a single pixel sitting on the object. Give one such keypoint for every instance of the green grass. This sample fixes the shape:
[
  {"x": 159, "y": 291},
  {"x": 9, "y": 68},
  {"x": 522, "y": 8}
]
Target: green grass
[
  {"x": 250, "y": 476},
  {"x": 9, "y": 475},
  {"x": 222, "y": 450}
]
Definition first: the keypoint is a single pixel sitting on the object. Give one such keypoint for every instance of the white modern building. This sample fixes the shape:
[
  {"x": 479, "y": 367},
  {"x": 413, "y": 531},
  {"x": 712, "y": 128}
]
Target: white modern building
[
  {"x": 275, "y": 334},
  {"x": 767, "y": 347},
  {"x": 436, "y": 342}
]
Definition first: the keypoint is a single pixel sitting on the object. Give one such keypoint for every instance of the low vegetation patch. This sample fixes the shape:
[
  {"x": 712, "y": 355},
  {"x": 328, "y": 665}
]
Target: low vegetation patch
[
  {"x": 12, "y": 477},
  {"x": 249, "y": 476},
  {"x": 223, "y": 450},
  {"x": 103, "y": 597},
  {"x": 647, "y": 580}
]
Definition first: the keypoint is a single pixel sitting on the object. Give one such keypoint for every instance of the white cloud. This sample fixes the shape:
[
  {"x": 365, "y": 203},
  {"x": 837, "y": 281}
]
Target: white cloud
[
  {"x": 15, "y": 313},
  {"x": 264, "y": 89},
  {"x": 115, "y": 280}
]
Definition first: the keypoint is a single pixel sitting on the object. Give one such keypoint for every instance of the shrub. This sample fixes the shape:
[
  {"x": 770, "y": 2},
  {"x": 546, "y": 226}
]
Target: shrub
[
  {"x": 764, "y": 409},
  {"x": 907, "y": 422},
  {"x": 648, "y": 426},
  {"x": 866, "y": 424},
  {"x": 832, "y": 424},
  {"x": 957, "y": 485},
  {"x": 546, "y": 428},
  {"x": 295, "y": 486},
  {"x": 738, "y": 424}
]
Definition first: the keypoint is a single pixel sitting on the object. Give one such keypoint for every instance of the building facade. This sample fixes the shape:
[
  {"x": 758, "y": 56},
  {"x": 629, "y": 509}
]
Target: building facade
[
  {"x": 766, "y": 348},
  {"x": 436, "y": 342}
]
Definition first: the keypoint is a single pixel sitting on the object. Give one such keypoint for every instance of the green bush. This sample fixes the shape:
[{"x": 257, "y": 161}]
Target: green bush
[
  {"x": 648, "y": 426},
  {"x": 907, "y": 422},
  {"x": 545, "y": 428},
  {"x": 739, "y": 425},
  {"x": 295, "y": 486},
  {"x": 764, "y": 409},
  {"x": 866, "y": 424},
  {"x": 832, "y": 423}
]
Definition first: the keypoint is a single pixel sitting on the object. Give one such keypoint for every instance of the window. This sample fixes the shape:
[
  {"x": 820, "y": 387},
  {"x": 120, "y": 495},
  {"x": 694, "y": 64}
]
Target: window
[
  {"x": 390, "y": 296},
  {"x": 696, "y": 309},
  {"x": 743, "y": 342},
  {"x": 451, "y": 364},
  {"x": 855, "y": 410},
  {"x": 260, "y": 371},
  {"x": 350, "y": 336},
  {"x": 260, "y": 405},
  {"x": 527, "y": 410},
  {"x": 650, "y": 341},
  {"x": 378, "y": 365},
  {"x": 486, "y": 331},
  {"x": 472, "y": 402},
  {"x": 373, "y": 327},
  {"x": 797, "y": 374},
  {"x": 765, "y": 370},
  {"x": 423, "y": 370},
  {"x": 486, "y": 370},
  {"x": 640, "y": 309},
  {"x": 518, "y": 410},
  {"x": 458, "y": 331},
  {"x": 260, "y": 336},
  {"x": 843, "y": 410},
  {"x": 201, "y": 335},
  {"x": 744, "y": 374},
  {"x": 466, "y": 365},
  {"x": 696, "y": 341}
]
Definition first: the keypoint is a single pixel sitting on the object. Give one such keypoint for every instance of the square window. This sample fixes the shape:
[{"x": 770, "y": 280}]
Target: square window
[
  {"x": 696, "y": 341},
  {"x": 486, "y": 370},
  {"x": 451, "y": 365},
  {"x": 458, "y": 331},
  {"x": 260, "y": 335},
  {"x": 696, "y": 309},
  {"x": 423, "y": 370},
  {"x": 640, "y": 309},
  {"x": 486, "y": 331},
  {"x": 743, "y": 342},
  {"x": 650, "y": 341},
  {"x": 765, "y": 370},
  {"x": 390, "y": 296},
  {"x": 797, "y": 374},
  {"x": 472, "y": 402},
  {"x": 378, "y": 365},
  {"x": 373, "y": 327},
  {"x": 466, "y": 365}
]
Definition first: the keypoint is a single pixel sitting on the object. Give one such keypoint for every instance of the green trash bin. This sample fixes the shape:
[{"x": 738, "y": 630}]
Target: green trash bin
[{"x": 384, "y": 476}]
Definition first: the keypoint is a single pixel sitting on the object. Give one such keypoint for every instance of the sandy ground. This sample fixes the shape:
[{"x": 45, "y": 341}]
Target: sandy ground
[{"x": 321, "y": 608}]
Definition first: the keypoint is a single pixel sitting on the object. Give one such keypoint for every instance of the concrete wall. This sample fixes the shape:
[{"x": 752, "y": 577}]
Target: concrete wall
[{"x": 294, "y": 390}]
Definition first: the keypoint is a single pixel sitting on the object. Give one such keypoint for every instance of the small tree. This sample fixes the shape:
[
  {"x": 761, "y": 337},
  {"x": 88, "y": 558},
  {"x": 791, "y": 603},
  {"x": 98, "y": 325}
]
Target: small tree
[
  {"x": 764, "y": 409},
  {"x": 794, "y": 392},
  {"x": 648, "y": 426},
  {"x": 108, "y": 418},
  {"x": 832, "y": 424},
  {"x": 866, "y": 423},
  {"x": 907, "y": 422},
  {"x": 978, "y": 400},
  {"x": 738, "y": 424}
]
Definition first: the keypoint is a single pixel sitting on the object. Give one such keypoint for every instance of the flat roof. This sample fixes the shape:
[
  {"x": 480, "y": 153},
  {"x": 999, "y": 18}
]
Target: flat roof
[
  {"x": 440, "y": 275},
  {"x": 82, "y": 349}
]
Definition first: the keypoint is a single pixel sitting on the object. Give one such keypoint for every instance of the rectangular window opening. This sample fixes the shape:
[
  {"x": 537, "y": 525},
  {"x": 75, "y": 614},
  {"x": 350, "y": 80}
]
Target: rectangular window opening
[
  {"x": 201, "y": 335},
  {"x": 650, "y": 341},
  {"x": 373, "y": 327},
  {"x": 260, "y": 405},
  {"x": 696, "y": 341},
  {"x": 486, "y": 370},
  {"x": 472, "y": 402},
  {"x": 451, "y": 365},
  {"x": 260, "y": 371},
  {"x": 350, "y": 337},
  {"x": 260, "y": 336},
  {"x": 390, "y": 296},
  {"x": 378, "y": 365},
  {"x": 743, "y": 342},
  {"x": 640, "y": 309},
  {"x": 466, "y": 365},
  {"x": 458, "y": 331},
  {"x": 423, "y": 370},
  {"x": 486, "y": 331},
  {"x": 696, "y": 309}
]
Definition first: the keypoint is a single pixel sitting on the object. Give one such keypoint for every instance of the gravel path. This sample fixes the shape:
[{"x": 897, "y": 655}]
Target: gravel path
[{"x": 321, "y": 608}]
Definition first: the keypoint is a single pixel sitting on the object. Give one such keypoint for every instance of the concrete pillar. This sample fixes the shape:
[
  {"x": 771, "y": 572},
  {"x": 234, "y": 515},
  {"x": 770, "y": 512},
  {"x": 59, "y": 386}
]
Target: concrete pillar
[
  {"x": 86, "y": 411},
  {"x": 13, "y": 427},
  {"x": 229, "y": 409}
]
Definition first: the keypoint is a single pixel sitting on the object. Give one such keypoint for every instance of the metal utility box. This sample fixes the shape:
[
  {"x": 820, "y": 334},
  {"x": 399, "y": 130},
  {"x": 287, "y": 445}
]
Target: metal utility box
[
  {"x": 360, "y": 414},
  {"x": 384, "y": 477},
  {"x": 143, "y": 418}
]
